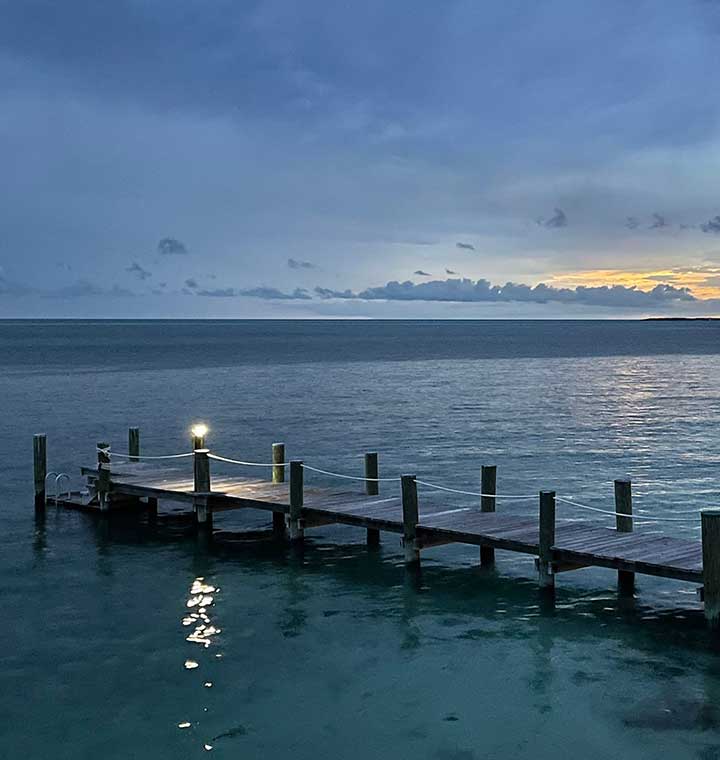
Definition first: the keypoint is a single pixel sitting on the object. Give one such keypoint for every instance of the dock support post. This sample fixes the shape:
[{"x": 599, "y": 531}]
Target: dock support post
[
  {"x": 152, "y": 508},
  {"x": 278, "y": 476},
  {"x": 623, "y": 506},
  {"x": 103, "y": 479},
  {"x": 372, "y": 488},
  {"x": 410, "y": 519},
  {"x": 711, "y": 565},
  {"x": 134, "y": 443},
  {"x": 296, "y": 500},
  {"x": 201, "y": 470},
  {"x": 39, "y": 468},
  {"x": 547, "y": 539},
  {"x": 488, "y": 485}
]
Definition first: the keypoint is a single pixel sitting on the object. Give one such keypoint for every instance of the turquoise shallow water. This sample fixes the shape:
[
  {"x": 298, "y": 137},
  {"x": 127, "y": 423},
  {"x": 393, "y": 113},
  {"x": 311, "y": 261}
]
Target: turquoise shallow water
[{"x": 336, "y": 651}]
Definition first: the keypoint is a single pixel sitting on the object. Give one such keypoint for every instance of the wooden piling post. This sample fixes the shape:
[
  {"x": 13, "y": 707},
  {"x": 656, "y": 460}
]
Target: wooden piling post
[
  {"x": 278, "y": 458},
  {"x": 278, "y": 476},
  {"x": 201, "y": 471},
  {"x": 296, "y": 500},
  {"x": 488, "y": 485},
  {"x": 134, "y": 443},
  {"x": 623, "y": 506},
  {"x": 39, "y": 468},
  {"x": 372, "y": 488},
  {"x": 103, "y": 478},
  {"x": 152, "y": 508},
  {"x": 410, "y": 518},
  {"x": 546, "y": 539},
  {"x": 711, "y": 565}
]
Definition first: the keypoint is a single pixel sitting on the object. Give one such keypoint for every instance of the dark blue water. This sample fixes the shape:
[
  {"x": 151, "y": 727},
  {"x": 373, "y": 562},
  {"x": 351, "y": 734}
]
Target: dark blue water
[{"x": 336, "y": 651}]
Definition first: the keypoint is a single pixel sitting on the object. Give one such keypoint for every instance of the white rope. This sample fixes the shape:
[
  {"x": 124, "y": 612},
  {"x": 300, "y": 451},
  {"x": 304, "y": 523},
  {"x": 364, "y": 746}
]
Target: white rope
[
  {"x": 248, "y": 464},
  {"x": 473, "y": 493},
  {"x": 109, "y": 453},
  {"x": 349, "y": 477},
  {"x": 618, "y": 514}
]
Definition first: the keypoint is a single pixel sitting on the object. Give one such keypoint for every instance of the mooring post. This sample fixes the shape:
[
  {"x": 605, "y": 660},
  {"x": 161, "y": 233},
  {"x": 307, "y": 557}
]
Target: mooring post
[
  {"x": 278, "y": 476},
  {"x": 297, "y": 488},
  {"x": 134, "y": 443},
  {"x": 201, "y": 470},
  {"x": 103, "y": 478},
  {"x": 711, "y": 565},
  {"x": 410, "y": 519},
  {"x": 623, "y": 506},
  {"x": 488, "y": 485},
  {"x": 547, "y": 539},
  {"x": 39, "y": 468},
  {"x": 372, "y": 488},
  {"x": 278, "y": 460}
]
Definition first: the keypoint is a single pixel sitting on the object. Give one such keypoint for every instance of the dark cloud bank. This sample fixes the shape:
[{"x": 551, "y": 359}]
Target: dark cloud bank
[
  {"x": 452, "y": 290},
  {"x": 469, "y": 291},
  {"x": 480, "y": 291}
]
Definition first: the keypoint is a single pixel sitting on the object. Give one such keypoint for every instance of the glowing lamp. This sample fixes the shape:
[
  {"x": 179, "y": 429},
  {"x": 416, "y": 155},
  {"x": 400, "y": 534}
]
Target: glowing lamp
[{"x": 199, "y": 430}]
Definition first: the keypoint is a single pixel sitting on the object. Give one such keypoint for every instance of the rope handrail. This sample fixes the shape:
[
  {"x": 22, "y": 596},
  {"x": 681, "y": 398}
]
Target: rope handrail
[
  {"x": 642, "y": 517},
  {"x": 349, "y": 477},
  {"x": 474, "y": 493},
  {"x": 620, "y": 514},
  {"x": 247, "y": 464},
  {"x": 110, "y": 453}
]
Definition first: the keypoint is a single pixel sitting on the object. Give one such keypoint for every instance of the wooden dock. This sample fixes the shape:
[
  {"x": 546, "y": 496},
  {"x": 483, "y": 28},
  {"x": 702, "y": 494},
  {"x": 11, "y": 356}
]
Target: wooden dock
[{"x": 559, "y": 545}]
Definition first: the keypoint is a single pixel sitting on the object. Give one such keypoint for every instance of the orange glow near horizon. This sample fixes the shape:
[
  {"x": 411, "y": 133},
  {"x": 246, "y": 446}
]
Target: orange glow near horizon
[{"x": 703, "y": 282}]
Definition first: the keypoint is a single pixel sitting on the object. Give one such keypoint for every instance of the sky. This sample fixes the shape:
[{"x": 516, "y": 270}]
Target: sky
[{"x": 413, "y": 159}]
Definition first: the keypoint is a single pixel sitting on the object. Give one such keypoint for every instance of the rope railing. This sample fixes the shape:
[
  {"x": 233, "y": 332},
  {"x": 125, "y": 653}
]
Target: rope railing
[
  {"x": 111, "y": 454},
  {"x": 653, "y": 518},
  {"x": 475, "y": 493},
  {"x": 641, "y": 517},
  {"x": 349, "y": 477},
  {"x": 218, "y": 458}
]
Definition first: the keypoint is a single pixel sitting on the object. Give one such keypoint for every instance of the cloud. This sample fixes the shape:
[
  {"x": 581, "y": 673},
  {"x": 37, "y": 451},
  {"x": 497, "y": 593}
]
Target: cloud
[
  {"x": 632, "y": 222},
  {"x": 79, "y": 289},
  {"x": 263, "y": 292},
  {"x": 465, "y": 246},
  {"x": 219, "y": 293},
  {"x": 658, "y": 222},
  {"x": 191, "y": 283},
  {"x": 171, "y": 247},
  {"x": 450, "y": 271},
  {"x": 421, "y": 273},
  {"x": 138, "y": 271},
  {"x": 557, "y": 220},
  {"x": 469, "y": 291},
  {"x": 85, "y": 287},
  {"x": 295, "y": 264},
  {"x": 329, "y": 293},
  {"x": 712, "y": 226}
]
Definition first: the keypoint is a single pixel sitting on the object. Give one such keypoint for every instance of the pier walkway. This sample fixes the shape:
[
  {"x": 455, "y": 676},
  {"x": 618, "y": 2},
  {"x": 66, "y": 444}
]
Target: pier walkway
[{"x": 559, "y": 544}]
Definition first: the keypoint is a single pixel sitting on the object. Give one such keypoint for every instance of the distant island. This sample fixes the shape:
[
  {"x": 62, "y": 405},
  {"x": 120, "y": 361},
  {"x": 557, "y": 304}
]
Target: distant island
[{"x": 682, "y": 319}]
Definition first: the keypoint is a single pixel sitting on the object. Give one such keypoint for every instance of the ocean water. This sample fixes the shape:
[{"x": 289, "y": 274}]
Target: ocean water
[{"x": 335, "y": 651}]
